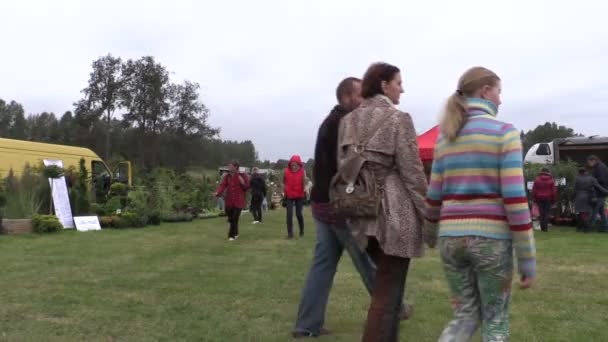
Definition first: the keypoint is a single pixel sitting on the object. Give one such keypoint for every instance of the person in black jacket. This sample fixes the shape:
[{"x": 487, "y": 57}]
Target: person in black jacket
[
  {"x": 258, "y": 193},
  {"x": 600, "y": 173}
]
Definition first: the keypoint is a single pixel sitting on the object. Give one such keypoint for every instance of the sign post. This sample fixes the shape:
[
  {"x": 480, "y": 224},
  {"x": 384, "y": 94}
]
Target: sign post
[{"x": 61, "y": 199}]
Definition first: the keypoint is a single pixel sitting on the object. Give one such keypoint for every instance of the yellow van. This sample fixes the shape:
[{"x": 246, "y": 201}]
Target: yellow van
[{"x": 15, "y": 154}]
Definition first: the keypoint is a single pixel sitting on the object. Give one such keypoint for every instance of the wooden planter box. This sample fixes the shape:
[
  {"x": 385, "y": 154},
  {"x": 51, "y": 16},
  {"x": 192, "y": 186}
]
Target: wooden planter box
[{"x": 16, "y": 226}]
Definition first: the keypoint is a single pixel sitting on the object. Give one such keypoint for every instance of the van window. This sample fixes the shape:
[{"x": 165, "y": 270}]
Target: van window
[
  {"x": 102, "y": 179},
  {"x": 99, "y": 169},
  {"x": 543, "y": 150}
]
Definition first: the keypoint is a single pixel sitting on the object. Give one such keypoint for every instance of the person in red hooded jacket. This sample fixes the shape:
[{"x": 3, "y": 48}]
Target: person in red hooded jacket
[
  {"x": 544, "y": 194},
  {"x": 294, "y": 183},
  {"x": 233, "y": 187}
]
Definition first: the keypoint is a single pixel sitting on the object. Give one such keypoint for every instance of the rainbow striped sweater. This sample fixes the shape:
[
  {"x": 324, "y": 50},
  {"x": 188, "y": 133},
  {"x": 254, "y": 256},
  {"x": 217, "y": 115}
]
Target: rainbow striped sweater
[{"x": 477, "y": 185}]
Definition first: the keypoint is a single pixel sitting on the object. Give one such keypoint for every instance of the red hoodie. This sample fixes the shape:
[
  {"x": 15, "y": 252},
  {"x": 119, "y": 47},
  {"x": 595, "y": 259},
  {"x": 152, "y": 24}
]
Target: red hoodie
[
  {"x": 544, "y": 188},
  {"x": 294, "y": 181}
]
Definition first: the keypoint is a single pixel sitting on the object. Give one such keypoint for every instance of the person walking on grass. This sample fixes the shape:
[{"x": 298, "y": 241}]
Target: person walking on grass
[
  {"x": 294, "y": 184},
  {"x": 333, "y": 234},
  {"x": 478, "y": 203},
  {"x": 599, "y": 171},
  {"x": 544, "y": 194},
  {"x": 233, "y": 187},
  {"x": 587, "y": 190},
  {"x": 377, "y": 142},
  {"x": 258, "y": 193}
]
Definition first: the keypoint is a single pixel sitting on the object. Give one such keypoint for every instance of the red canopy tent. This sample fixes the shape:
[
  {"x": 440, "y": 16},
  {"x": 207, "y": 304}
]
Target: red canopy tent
[{"x": 426, "y": 144}]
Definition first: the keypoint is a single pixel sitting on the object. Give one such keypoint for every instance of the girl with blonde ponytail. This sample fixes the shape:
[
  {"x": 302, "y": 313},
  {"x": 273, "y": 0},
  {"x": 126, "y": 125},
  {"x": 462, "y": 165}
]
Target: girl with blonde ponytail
[{"x": 477, "y": 206}]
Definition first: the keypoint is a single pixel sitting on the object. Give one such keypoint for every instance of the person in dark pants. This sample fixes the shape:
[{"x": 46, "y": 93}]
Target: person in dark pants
[
  {"x": 600, "y": 173},
  {"x": 233, "y": 187},
  {"x": 258, "y": 193},
  {"x": 544, "y": 193},
  {"x": 586, "y": 189},
  {"x": 333, "y": 234},
  {"x": 294, "y": 182}
]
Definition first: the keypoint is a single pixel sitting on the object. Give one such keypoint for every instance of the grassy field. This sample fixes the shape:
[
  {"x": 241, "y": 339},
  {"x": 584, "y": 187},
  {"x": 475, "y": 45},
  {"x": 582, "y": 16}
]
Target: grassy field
[{"x": 185, "y": 282}]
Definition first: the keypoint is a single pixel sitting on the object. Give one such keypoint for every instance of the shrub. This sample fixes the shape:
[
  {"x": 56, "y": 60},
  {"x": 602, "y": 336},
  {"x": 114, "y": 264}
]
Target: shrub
[
  {"x": 79, "y": 192},
  {"x": 119, "y": 222},
  {"x": 46, "y": 224},
  {"x": 130, "y": 219},
  {"x": 177, "y": 217},
  {"x": 118, "y": 189},
  {"x": 106, "y": 221},
  {"x": 24, "y": 195},
  {"x": 154, "y": 218}
]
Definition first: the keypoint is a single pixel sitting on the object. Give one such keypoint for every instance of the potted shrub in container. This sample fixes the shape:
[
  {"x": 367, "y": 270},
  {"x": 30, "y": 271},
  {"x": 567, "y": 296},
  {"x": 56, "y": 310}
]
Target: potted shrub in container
[{"x": 22, "y": 200}]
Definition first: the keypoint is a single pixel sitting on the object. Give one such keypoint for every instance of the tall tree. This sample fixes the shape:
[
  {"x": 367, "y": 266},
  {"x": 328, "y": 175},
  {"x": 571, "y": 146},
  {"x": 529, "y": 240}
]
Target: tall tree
[
  {"x": 145, "y": 97},
  {"x": 66, "y": 129},
  {"x": 43, "y": 127},
  {"x": 101, "y": 96},
  {"x": 546, "y": 133},
  {"x": 12, "y": 120},
  {"x": 187, "y": 123}
]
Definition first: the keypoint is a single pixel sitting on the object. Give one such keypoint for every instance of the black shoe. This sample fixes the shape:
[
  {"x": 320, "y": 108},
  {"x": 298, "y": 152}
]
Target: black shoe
[
  {"x": 289, "y": 237},
  {"x": 299, "y": 334},
  {"x": 301, "y": 234}
]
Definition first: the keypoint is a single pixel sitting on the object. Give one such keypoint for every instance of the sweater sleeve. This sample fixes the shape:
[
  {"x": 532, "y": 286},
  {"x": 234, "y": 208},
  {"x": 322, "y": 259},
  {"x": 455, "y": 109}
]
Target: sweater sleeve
[
  {"x": 434, "y": 193},
  {"x": 515, "y": 201}
]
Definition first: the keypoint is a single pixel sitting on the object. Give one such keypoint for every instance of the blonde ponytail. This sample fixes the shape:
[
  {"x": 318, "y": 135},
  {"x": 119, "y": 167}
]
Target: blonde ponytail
[
  {"x": 455, "y": 113},
  {"x": 454, "y": 117}
]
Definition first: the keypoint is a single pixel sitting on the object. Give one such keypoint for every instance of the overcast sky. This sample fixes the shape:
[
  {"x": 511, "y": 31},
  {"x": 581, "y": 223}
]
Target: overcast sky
[{"x": 268, "y": 69}]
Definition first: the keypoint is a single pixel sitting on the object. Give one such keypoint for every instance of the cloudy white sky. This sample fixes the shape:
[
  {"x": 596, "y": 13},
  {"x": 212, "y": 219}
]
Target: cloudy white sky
[{"x": 268, "y": 69}]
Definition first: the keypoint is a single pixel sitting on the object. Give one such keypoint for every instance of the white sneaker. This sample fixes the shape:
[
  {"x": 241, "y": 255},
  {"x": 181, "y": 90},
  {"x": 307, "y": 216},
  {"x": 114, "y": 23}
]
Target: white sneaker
[
  {"x": 236, "y": 237},
  {"x": 231, "y": 239},
  {"x": 256, "y": 222}
]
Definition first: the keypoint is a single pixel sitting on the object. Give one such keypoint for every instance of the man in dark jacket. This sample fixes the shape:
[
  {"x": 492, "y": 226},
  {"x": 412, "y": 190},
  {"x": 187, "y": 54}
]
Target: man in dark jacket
[
  {"x": 333, "y": 235},
  {"x": 599, "y": 171},
  {"x": 544, "y": 193},
  {"x": 257, "y": 184}
]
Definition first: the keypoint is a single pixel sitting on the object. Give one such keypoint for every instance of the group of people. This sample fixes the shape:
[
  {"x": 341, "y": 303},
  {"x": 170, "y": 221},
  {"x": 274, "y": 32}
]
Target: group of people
[
  {"x": 235, "y": 184},
  {"x": 591, "y": 190},
  {"x": 474, "y": 207}
]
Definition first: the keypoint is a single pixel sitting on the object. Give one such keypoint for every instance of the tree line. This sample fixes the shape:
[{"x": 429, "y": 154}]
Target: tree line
[{"x": 130, "y": 110}]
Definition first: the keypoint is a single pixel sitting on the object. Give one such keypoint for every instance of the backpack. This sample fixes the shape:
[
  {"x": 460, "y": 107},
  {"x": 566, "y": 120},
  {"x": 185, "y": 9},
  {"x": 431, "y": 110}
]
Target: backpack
[{"x": 354, "y": 190}]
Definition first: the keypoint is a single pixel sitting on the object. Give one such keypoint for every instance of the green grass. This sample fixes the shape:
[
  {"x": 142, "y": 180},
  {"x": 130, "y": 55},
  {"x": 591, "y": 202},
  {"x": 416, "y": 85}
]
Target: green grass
[{"x": 185, "y": 282}]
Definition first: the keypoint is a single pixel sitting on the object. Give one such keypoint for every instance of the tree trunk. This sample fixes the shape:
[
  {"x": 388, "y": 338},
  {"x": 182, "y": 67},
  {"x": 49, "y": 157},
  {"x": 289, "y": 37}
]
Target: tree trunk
[{"x": 108, "y": 125}]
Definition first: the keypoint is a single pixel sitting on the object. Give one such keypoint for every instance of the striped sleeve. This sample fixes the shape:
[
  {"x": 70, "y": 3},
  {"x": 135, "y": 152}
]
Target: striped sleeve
[
  {"x": 515, "y": 201},
  {"x": 434, "y": 193}
]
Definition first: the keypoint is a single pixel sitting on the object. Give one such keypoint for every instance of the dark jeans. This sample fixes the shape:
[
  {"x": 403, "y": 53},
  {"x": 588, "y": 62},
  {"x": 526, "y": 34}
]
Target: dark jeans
[
  {"x": 256, "y": 207},
  {"x": 332, "y": 240},
  {"x": 544, "y": 207},
  {"x": 234, "y": 214},
  {"x": 387, "y": 296},
  {"x": 600, "y": 208},
  {"x": 582, "y": 222},
  {"x": 298, "y": 204}
]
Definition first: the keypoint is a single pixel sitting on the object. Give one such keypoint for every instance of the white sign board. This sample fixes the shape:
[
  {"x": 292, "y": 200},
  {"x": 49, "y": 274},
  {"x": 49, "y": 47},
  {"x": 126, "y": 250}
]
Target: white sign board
[
  {"x": 61, "y": 199},
  {"x": 86, "y": 223},
  {"x": 530, "y": 185}
]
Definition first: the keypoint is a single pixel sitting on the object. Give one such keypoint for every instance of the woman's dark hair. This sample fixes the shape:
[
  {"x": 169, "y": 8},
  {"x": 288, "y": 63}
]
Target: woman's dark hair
[
  {"x": 375, "y": 74},
  {"x": 235, "y": 163},
  {"x": 582, "y": 171},
  {"x": 545, "y": 170}
]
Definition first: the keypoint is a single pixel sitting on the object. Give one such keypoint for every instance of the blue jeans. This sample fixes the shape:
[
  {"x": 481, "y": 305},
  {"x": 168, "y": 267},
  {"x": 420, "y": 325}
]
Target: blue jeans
[{"x": 331, "y": 242}]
